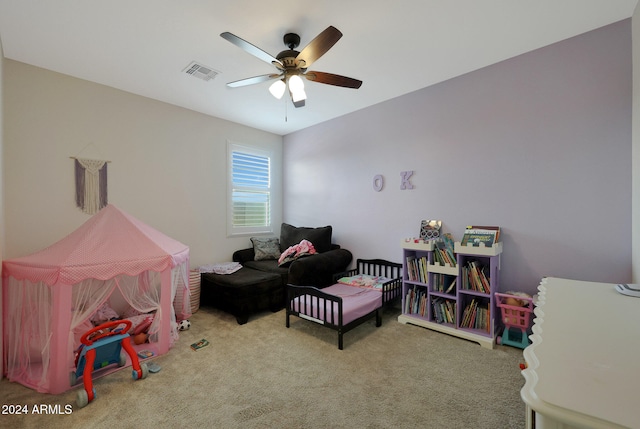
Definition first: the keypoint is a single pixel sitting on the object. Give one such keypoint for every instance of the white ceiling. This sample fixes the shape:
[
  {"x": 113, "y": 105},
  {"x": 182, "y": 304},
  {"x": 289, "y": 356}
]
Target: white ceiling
[{"x": 143, "y": 46}]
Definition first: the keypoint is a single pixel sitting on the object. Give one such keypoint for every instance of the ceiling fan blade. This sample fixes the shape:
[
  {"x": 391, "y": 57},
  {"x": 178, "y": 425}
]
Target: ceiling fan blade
[
  {"x": 333, "y": 79},
  {"x": 253, "y": 80},
  {"x": 248, "y": 47},
  {"x": 320, "y": 45}
]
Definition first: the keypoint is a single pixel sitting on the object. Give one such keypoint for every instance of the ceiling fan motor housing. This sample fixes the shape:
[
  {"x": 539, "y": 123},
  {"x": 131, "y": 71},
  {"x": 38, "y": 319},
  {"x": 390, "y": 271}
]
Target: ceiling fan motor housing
[
  {"x": 288, "y": 56},
  {"x": 292, "y": 40}
]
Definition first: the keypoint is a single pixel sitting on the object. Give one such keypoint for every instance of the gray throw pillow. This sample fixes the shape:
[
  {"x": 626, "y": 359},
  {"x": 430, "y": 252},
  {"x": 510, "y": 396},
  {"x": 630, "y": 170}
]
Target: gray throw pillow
[{"x": 265, "y": 248}]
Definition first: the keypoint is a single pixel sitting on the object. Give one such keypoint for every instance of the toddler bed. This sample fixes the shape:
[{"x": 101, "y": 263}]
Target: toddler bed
[{"x": 358, "y": 295}]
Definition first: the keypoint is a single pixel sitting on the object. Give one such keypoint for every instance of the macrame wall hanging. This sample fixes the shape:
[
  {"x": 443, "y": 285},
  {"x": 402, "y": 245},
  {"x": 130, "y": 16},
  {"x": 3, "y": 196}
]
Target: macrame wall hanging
[{"x": 91, "y": 184}]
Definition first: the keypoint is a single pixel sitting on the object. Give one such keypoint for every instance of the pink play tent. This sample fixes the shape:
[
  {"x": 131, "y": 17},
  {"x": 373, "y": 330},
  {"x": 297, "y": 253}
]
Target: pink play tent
[{"x": 112, "y": 261}]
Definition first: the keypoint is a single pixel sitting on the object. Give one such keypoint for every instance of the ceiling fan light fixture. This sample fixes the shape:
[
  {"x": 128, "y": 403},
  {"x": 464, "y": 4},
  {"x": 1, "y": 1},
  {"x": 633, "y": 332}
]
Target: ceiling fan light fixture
[
  {"x": 277, "y": 88},
  {"x": 298, "y": 95},
  {"x": 296, "y": 87},
  {"x": 296, "y": 83}
]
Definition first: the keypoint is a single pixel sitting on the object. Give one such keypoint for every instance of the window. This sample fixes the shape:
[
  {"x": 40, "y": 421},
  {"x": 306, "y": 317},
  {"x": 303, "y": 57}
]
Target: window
[{"x": 249, "y": 200}]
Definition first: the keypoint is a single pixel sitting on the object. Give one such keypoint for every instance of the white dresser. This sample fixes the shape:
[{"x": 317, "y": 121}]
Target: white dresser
[{"x": 584, "y": 361}]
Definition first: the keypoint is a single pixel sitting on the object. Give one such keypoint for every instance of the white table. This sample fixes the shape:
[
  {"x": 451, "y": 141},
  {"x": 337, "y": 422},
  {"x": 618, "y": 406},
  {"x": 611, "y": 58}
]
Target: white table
[{"x": 584, "y": 360}]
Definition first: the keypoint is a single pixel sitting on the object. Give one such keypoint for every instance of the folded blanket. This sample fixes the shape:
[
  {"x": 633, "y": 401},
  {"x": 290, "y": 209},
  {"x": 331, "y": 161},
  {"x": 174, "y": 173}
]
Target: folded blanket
[
  {"x": 364, "y": 281},
  {"x": 221, "y": 268}
]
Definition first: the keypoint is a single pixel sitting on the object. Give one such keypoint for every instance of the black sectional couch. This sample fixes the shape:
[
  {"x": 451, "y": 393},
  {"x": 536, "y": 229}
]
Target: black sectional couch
[
  {"x": 254, "y": 287},
  {"x": 314, "y": 270}
]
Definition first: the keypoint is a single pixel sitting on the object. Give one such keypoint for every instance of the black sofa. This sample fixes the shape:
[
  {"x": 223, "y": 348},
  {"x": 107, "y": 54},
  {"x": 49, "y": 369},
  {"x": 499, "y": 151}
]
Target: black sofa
[
  {"x": 261, "y": 283},
  {"x": 313, "y": 270}
]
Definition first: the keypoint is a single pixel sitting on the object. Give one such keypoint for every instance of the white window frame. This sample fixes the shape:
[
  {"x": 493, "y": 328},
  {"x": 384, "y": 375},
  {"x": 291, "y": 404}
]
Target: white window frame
[{"x": 241, "y": 230}]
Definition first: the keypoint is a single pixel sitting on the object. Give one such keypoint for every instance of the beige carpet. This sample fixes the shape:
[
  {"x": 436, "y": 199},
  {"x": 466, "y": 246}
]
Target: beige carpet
[{"x": 263, "y": 375}]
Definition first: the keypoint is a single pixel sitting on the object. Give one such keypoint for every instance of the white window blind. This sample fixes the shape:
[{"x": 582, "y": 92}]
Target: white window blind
[{"x": 250, "y": 190}]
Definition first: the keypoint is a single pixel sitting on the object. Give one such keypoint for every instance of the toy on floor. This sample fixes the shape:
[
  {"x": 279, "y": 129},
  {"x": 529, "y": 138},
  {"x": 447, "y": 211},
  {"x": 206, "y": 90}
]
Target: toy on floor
[
  {"x": 102, "y": 346},
  {"x": 183, "y": 325},
  {"x": 154, "y": 367},
  {"x": 516, "y": 309}
]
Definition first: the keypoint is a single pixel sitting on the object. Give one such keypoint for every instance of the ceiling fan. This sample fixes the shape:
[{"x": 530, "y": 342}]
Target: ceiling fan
[{"x": 293, "y": 65}]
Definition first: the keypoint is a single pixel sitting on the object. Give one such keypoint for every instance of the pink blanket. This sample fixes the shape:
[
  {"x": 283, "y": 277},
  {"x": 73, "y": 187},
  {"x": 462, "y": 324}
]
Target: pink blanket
[
  {"x": 305, "y": 247},
  {"x": 356, "y": 302}
]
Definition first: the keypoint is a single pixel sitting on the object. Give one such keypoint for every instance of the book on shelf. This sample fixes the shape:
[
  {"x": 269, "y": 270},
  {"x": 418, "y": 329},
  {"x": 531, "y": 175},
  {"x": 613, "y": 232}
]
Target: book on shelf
[
  {"x": 450, "y": 308},
  {"x": 443, "y": 250},
  {"x": 199, "y": 345},
  {"x": 487, "y": 321},
  {"x": 444, "y": 310},
  {"x": 451, "y": 286},
  {"x": 409, "y": 300},
  {"x": 444, "y": 257},
  {"x": 475, "y": 278},
  {"x": 417, "y": 269},
  {"x": 415, "y": 301},
  {"x": 474, "y": 235},
  {"x": 437, "y": 311},
  {"x": 492, "y": 228},
  {"x": 410, "y": 262},
  {"x": 423, "y": 274},
  {"x": 422, "y": 308},
  {"x": 436, "y": 282},
  {"x": 466, "y": 314},
  {"x": 476, "y": 316},
  {"x": 443, "y": 283},
  {"x": 447, "y": 238}
]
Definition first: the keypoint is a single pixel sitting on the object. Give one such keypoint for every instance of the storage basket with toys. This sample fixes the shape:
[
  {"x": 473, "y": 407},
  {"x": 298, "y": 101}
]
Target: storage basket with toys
[{"x": 516, "y": 310}]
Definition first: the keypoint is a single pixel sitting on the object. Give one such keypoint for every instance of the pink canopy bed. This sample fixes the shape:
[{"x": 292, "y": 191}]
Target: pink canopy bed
[{"x": 113, "y": 261}]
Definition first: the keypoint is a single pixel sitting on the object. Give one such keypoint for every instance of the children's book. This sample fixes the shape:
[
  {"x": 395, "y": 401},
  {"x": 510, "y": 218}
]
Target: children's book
[
  {"x": 143, "y": 354},
  {"x": 492, "y": 228},
  {"x": 487, "y": 235},
  {"x": 200, "y": 344}
]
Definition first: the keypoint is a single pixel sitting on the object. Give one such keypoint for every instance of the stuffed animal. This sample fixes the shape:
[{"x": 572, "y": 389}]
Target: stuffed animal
[
  {"x": 183, "y": 325},
  {"x": 514, "y": 301},
  {"x": 140, "y": 338}
]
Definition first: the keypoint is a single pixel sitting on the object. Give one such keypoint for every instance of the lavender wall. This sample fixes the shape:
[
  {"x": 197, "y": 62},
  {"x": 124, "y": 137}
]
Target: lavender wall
[{"x": 539, "y": 144}]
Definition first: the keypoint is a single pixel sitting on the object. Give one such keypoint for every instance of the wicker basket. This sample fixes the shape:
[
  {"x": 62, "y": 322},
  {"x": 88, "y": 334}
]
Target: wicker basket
[{"x": 194, "y": 287}]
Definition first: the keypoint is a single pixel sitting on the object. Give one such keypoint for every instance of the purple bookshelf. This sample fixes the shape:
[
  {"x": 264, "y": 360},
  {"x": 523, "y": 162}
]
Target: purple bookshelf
[{"x": 456, "y": 299}]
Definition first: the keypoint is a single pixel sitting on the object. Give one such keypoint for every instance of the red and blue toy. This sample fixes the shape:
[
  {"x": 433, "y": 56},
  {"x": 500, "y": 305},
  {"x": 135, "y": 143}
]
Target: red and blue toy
[{"x": 102, "y": 346}]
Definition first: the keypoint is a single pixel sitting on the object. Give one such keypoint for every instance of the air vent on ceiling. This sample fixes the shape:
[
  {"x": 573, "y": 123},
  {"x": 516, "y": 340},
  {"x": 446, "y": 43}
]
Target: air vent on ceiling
[{"x": 201, "y": 72}]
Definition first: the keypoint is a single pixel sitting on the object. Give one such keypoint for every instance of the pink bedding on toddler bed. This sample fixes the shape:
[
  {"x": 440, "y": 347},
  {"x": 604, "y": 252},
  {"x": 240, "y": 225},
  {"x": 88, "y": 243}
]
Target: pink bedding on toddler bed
[{"x": 356, "y": 302}]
